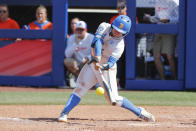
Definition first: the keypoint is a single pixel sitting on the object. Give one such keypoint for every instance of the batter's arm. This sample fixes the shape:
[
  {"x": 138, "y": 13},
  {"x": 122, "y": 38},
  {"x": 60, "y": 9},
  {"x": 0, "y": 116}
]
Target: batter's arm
[
  {"x": 95, "y": 59},
  {"x": 96, "y": 51}
]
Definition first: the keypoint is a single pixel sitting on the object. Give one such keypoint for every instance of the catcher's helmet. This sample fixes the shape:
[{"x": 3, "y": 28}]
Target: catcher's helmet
[{"x": 122, "y": 24}]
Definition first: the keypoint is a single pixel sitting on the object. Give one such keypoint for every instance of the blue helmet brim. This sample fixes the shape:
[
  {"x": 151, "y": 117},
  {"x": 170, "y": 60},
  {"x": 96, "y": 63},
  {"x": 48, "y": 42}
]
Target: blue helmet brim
[{"x": 119, "y": 30}]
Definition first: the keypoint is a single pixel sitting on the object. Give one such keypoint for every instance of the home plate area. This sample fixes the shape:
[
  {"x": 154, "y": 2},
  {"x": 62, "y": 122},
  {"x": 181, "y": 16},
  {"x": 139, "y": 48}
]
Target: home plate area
[{"x": 95, "y": 118}]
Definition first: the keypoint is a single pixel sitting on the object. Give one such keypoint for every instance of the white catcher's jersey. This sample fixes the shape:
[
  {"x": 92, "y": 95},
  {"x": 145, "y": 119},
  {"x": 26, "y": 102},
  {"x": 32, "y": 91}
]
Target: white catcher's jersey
[
  {"x": 112, "y": 46},
  {"x": 83, "y": 47}
]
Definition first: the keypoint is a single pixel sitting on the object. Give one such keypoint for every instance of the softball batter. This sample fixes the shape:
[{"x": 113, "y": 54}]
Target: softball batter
[{"x": 107, "y": 48}]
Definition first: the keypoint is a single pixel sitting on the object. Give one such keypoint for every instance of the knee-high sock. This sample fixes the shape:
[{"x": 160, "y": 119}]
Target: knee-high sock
[
  {"x": 71, "y": 103},
  {"x": 130, "y": 106}
]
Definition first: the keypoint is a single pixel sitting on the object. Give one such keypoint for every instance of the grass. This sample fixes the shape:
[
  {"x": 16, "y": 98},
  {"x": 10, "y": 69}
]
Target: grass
[{"x": 152, "y": 98}]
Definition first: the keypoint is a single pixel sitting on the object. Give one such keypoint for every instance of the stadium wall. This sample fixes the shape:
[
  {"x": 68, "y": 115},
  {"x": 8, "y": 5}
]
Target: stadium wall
[{"x": 190, "y": 68}]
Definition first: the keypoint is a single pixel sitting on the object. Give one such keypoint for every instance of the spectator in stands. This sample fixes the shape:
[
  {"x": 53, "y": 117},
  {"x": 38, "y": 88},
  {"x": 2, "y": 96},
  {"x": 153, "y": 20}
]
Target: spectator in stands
[
  {"x": 41, "y": 22},
  {"x": 78, "y": 48},
  {"x": 122, "y": 10},
  {"x": 5, "y": 21},
  {"x": 73, "y": 25},
  {"x": 166, "y": 11}
]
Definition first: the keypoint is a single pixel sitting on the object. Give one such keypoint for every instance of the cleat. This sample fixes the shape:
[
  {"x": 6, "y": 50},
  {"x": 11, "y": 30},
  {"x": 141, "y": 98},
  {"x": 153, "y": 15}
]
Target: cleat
[
  {"x": 146, "y": 115},
  {"x": 62, "y": 118}
]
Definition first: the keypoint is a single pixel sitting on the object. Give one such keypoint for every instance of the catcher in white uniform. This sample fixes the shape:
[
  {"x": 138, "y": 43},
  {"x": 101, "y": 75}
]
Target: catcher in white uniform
[
  {"x": 107, "y": 48},
  {"x": 78, "y": 48}
]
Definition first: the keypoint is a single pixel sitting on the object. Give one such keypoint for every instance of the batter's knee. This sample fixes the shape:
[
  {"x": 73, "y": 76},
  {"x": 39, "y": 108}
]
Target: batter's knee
[
  {"x": 80, "y": 91},
  {"x": 119, "y": 103},
  {"x": 119, "y": 100}
]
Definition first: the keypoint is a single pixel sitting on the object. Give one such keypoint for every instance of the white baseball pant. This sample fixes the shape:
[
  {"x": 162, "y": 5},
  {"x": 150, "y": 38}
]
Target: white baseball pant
[{"x": 87, "y": 79}]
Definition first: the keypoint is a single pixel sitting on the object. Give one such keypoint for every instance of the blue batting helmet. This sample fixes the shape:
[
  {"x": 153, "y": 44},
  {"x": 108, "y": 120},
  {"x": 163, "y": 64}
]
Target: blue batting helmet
[{"x": 122, "y": 24}]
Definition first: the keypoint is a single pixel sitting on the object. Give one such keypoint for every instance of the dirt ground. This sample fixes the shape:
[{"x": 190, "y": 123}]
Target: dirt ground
[{"x": 92, "y": 118}]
